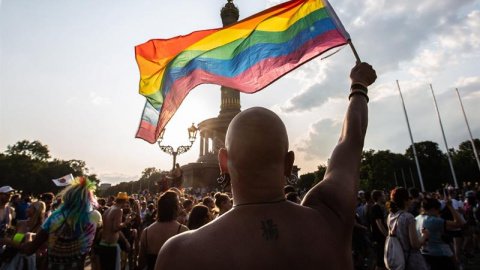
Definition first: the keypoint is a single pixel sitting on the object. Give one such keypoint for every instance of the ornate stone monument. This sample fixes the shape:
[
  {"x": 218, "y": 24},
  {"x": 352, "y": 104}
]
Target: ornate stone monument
[{"x": 212, "y": 131}]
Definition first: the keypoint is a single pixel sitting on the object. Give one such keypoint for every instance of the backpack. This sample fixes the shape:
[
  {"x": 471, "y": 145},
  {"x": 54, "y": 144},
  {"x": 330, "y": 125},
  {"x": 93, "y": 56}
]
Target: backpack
[
  {"x": 65, "y": 253},
  {"x": 393, "y": 256}
]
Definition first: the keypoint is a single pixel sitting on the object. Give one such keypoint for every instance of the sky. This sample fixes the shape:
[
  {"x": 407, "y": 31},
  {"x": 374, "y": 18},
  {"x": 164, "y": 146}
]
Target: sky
[{"x": 69, "y": 79}]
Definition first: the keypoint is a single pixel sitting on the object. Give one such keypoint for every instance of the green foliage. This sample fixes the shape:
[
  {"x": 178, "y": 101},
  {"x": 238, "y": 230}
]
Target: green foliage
[
  {"x": 35, "y": 150},
  {"x": 464, "y": 162},
  {"x": 305, "y": 182},
  {"x": 385, "y": 170},
  {"x": 25, "y": 166}
]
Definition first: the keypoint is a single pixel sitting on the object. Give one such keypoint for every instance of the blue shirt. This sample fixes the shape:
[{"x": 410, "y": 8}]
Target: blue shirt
[{"x": 435, "y": 225}]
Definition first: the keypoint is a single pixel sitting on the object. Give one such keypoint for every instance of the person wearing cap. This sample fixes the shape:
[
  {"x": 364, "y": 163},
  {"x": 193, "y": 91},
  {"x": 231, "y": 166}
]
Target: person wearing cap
[
  {"x": 108, "y": 250},
  {"x": 6, "y": 211}
]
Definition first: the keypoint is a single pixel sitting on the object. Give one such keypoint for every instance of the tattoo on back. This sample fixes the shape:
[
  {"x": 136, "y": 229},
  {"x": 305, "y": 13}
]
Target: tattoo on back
[{"x": 270, "y": 230}]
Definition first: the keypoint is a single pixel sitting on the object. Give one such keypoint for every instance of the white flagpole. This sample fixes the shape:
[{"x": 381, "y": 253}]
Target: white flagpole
[
  {"x": 469, "y": 131},
  {"x": 444, "y": 139},
  {"x": 411, "y": 139},
  {"x": 411, "y": 176},
  {"x": 404, "y": 182}
]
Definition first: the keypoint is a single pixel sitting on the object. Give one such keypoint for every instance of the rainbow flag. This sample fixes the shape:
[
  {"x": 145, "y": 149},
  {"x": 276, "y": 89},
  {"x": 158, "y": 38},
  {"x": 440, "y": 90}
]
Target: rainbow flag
[{"x": 246, "y": 56}]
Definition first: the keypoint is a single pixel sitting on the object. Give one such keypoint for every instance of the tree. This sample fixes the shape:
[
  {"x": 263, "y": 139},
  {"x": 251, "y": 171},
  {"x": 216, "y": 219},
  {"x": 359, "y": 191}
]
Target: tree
[
  {"x": 379, "y": 169},
  {"x": 35, "y": 150},
  {"x": 433, "y": 164},
  {"x": 306, "y": 181},
  {"x": 464, "y": 162}
]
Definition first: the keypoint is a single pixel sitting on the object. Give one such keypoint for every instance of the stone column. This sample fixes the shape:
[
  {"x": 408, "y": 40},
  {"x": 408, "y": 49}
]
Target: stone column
[{"x": 202, "y": 141}]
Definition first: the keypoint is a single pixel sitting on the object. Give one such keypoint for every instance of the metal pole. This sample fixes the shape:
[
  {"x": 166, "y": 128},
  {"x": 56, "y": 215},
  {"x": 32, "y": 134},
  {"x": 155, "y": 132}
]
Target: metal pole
[
  {"x": 469, "y": 131},
  {"x": 174, "y": 160},
  {"x": 404, "y": 182},
  {"x": 444, "y": 139},
  {"x": 354, "y": 51},
  {"x": 395, "y": 175},
  {"x": 411, "y": 139},
  {"x": 411, "y": 176}
]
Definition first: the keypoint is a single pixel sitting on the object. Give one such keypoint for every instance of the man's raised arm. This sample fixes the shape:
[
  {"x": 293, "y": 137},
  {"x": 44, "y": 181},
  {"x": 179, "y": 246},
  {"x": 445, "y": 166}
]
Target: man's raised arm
[{"x": 339, "y": 188}]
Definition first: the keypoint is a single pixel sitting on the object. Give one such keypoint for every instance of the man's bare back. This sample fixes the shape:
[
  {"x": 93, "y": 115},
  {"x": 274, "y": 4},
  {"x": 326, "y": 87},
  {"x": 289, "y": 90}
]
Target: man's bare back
[
  {"x": 263, "y": 230},
  {"x": 111, "y": 224},
  {"x": 277, "y": 236}
]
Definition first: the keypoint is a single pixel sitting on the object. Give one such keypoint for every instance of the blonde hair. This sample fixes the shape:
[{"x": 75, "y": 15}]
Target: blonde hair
[{"x": 38, "y": 216}]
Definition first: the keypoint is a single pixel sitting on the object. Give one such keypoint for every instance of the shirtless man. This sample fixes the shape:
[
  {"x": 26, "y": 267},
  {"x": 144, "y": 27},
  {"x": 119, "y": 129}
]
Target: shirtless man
[
  {"x": 7, "y": 213},
  {"x": 108, "y": 249},
  {"x": 263, "y": 230}
]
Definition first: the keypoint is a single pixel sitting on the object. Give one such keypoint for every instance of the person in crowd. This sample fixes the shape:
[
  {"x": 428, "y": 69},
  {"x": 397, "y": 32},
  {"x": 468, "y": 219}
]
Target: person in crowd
[
  {"x": 367, "y": 212},
  {"x": 293, "y": 197},
  {"x": 469, "y": 228},
  {"x": 199, "y": 216},
  {"x": 131, "y": 234},
  {"x": 415, "y": 202},
  {"x": 208, "y": 202},
  {"x": 402, "y": 224},
  {"x": 159, "y": 232},
  {"x": 184, "y": 215},
  {"x": 455, "y": 233},
  {"x": 15, "y": 204},
  {"x": 47, "y": 198},
  {"x": 359, "y": 243},
  {"x": 143, "y": 208},
  {"x": 289, "y": 188},
  {"x": 6, "y": 211},
  {"x": 150, "y": 216},
  {"x": 20, "y": 212},
  {"x": 267, "y": 227},
  {"x": 177, "y": 174},
  {"x": 26, "y": 230},
  {"x": 102, "y": 205},
  {"x": 108, "y": 250},
  {"x": 379, "y": 228},
  {"x": 223, "y": 203},
  {"x": 69, "y": 231},
  {"x": 437, "y": 253}
]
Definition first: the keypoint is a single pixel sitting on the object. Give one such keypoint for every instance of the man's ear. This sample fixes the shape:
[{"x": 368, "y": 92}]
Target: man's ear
[
  {"x": 222, "y": 160},
  {"x": 289, "y": 159}
]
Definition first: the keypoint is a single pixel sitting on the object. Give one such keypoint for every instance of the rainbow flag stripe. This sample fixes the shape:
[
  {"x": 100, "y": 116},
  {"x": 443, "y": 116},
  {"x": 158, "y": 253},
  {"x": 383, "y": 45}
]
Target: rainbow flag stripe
[{"x": 246, "y": 56}]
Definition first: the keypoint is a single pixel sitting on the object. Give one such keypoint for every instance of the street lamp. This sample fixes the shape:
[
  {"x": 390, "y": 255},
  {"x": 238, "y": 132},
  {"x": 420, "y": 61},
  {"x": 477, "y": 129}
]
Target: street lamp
[{"x": 192, "y": 135}]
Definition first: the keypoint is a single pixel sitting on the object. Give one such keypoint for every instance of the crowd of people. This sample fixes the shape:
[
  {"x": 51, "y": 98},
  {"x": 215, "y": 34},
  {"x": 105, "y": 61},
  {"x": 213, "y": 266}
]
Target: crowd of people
[
  {"x": 437, "y": 230},
  {"x": 261, "y": 225}
]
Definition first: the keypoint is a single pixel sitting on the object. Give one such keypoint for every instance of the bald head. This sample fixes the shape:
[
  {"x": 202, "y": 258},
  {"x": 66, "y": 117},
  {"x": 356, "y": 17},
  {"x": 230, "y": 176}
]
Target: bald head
[{"x": 256, "y": 140}]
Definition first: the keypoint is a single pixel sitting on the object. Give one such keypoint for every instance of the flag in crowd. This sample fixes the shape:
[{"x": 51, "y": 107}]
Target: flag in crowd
[
  {"x": 63, "y": 181},
  {"x": 246, "y": 56}
]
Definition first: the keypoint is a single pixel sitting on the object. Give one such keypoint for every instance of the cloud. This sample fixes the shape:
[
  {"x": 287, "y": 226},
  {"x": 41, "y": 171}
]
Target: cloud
[
  {"x": 419, "y": 36},
  {"x": 115, "y": 178},
  {"x": 99, "y": 100},
  {"x": 322, "y": 137}
]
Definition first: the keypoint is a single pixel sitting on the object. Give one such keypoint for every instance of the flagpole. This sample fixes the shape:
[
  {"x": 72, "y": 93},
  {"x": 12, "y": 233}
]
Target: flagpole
[
  {"x": 404, "y": 182},
  {"x": 411, "y": 176},
  {"x": 411, "y": 139},
  {"x": 469, "y": 131},
  {"x": 354, "y": 51},
  {"x": 444, "y": 139}
]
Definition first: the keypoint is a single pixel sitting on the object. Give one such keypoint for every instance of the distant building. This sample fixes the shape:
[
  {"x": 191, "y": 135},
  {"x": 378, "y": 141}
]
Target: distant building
[{"x": 105, "y": 186}]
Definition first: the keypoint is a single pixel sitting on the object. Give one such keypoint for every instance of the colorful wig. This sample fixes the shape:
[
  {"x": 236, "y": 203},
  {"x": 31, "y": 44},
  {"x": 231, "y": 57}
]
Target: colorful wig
[{"x": 78, "y": 202}]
